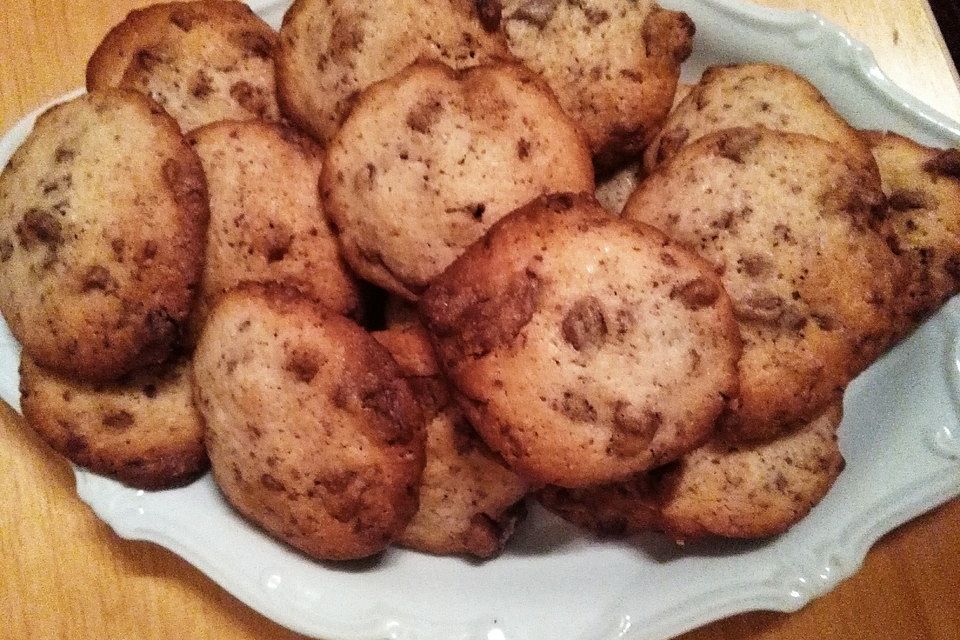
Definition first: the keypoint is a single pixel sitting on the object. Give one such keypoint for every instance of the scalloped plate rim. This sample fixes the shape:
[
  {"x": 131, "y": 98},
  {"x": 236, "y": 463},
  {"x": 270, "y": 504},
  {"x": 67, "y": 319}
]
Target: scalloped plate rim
[{"x": 696, "y": 609}]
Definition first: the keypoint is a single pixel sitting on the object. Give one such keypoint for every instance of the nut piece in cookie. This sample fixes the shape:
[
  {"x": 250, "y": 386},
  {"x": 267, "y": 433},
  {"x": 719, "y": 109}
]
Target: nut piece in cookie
[
  {"x": 584, "y": 348},
  {"x": 614, "y": 64},
  {"x": 432, "y": 157},
  {"x": 103, "y": 212},
  {"x": 746, "y": 95},
  {"x": 313, "y": 433},
  {"x": 331, "y": 50},
  {"x": 469, "y": 500},
  {"x": 922, "y": 222},
  {"x": 787, "y": 221},
  {"x": 202, "y": 61},
  {"x": 266, "y": 221},
  {"x": 142, "y": 430}
]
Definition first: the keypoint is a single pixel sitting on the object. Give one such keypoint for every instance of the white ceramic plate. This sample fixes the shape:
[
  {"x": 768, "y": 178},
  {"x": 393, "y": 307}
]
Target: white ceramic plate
[{"x": 900, "y": 436}]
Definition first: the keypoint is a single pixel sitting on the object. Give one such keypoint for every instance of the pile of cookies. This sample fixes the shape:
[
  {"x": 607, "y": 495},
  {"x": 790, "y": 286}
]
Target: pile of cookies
[{"x": 361, "y": 269}]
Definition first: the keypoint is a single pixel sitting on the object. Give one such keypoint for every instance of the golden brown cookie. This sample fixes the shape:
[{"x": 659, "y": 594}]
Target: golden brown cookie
[
  {"x": 103, "y": 212},
  {"x": 331, "y": 50},
  {"x": 202, "y": 61},
  {"x": 313, "y": 432},
  {"x": 750, "y": 491},
  {"x": 786, "y": 220},
  {"x": 584, "y": 348},
  {"x": 619, "y": 509},
  {"x": 432, "y": 157},
  {"x": 266, "y": 221},
  {"x": 614, "y": 190},
  {"x": 614, "y": 64},
  {"x": 469, "y": 500},
  {"x": 745, "y": 95},
  {"x": 755, "y": 491},
  {"x": 142, "y": 430},
  {"x": 922, "y": 223}
]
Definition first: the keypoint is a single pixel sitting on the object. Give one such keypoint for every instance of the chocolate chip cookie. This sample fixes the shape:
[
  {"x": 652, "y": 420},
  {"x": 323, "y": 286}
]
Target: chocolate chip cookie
[
  {"x": 614, "y": 64},
  {"x": 266, "y": 220},
  {"x": 469, "y": 500},
  {"x": 922, "y": 220},
  {"x": 312, "y": 430},
  {"x": 103, "y": 212},
  {"x": 584, "y": 348},
  {"x": 788, "y": 222},
  {"x": 331, "y": 50},
  {"x": 142, "y": 430},
  {"x": 429, "y": 159},
  {"x": 202, "y": 61}
]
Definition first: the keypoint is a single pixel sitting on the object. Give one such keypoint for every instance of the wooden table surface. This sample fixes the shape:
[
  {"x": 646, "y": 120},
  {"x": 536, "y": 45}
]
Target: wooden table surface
[{"x": 64, "y": 574}]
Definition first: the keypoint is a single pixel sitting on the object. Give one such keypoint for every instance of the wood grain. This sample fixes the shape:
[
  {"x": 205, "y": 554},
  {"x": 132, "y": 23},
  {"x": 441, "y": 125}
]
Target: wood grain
[{"x": 64, "y": 574}]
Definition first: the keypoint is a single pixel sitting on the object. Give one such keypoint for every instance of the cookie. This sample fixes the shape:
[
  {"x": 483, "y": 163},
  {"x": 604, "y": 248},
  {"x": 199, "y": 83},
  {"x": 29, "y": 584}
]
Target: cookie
[
  {"x": 922, "y": 222},
  {"x": 614, "y": 64},
  {"x": 399, "y": 312},
  {"x": 266, "y": 221},
  {"x": 683, "y": 90},
  {"x": 619, "y": 509},
  {"x": 746, "y": 95},
  {"x": 786, "y": 221},
  {"x": 469, "y": 500},
  {"x": 103, "y": 212},
  {"x": 614, "y": 190},
  {"x": 143, "y": 430},
  {"x": 331, "y": 50},
  {"x": 752, "y": 492},
  {"x": 584, "y": 348},
  {"x": 202, "y": 61},
  {"x": 432, "y": 157},
  {"x": 312, "y": 431}
]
